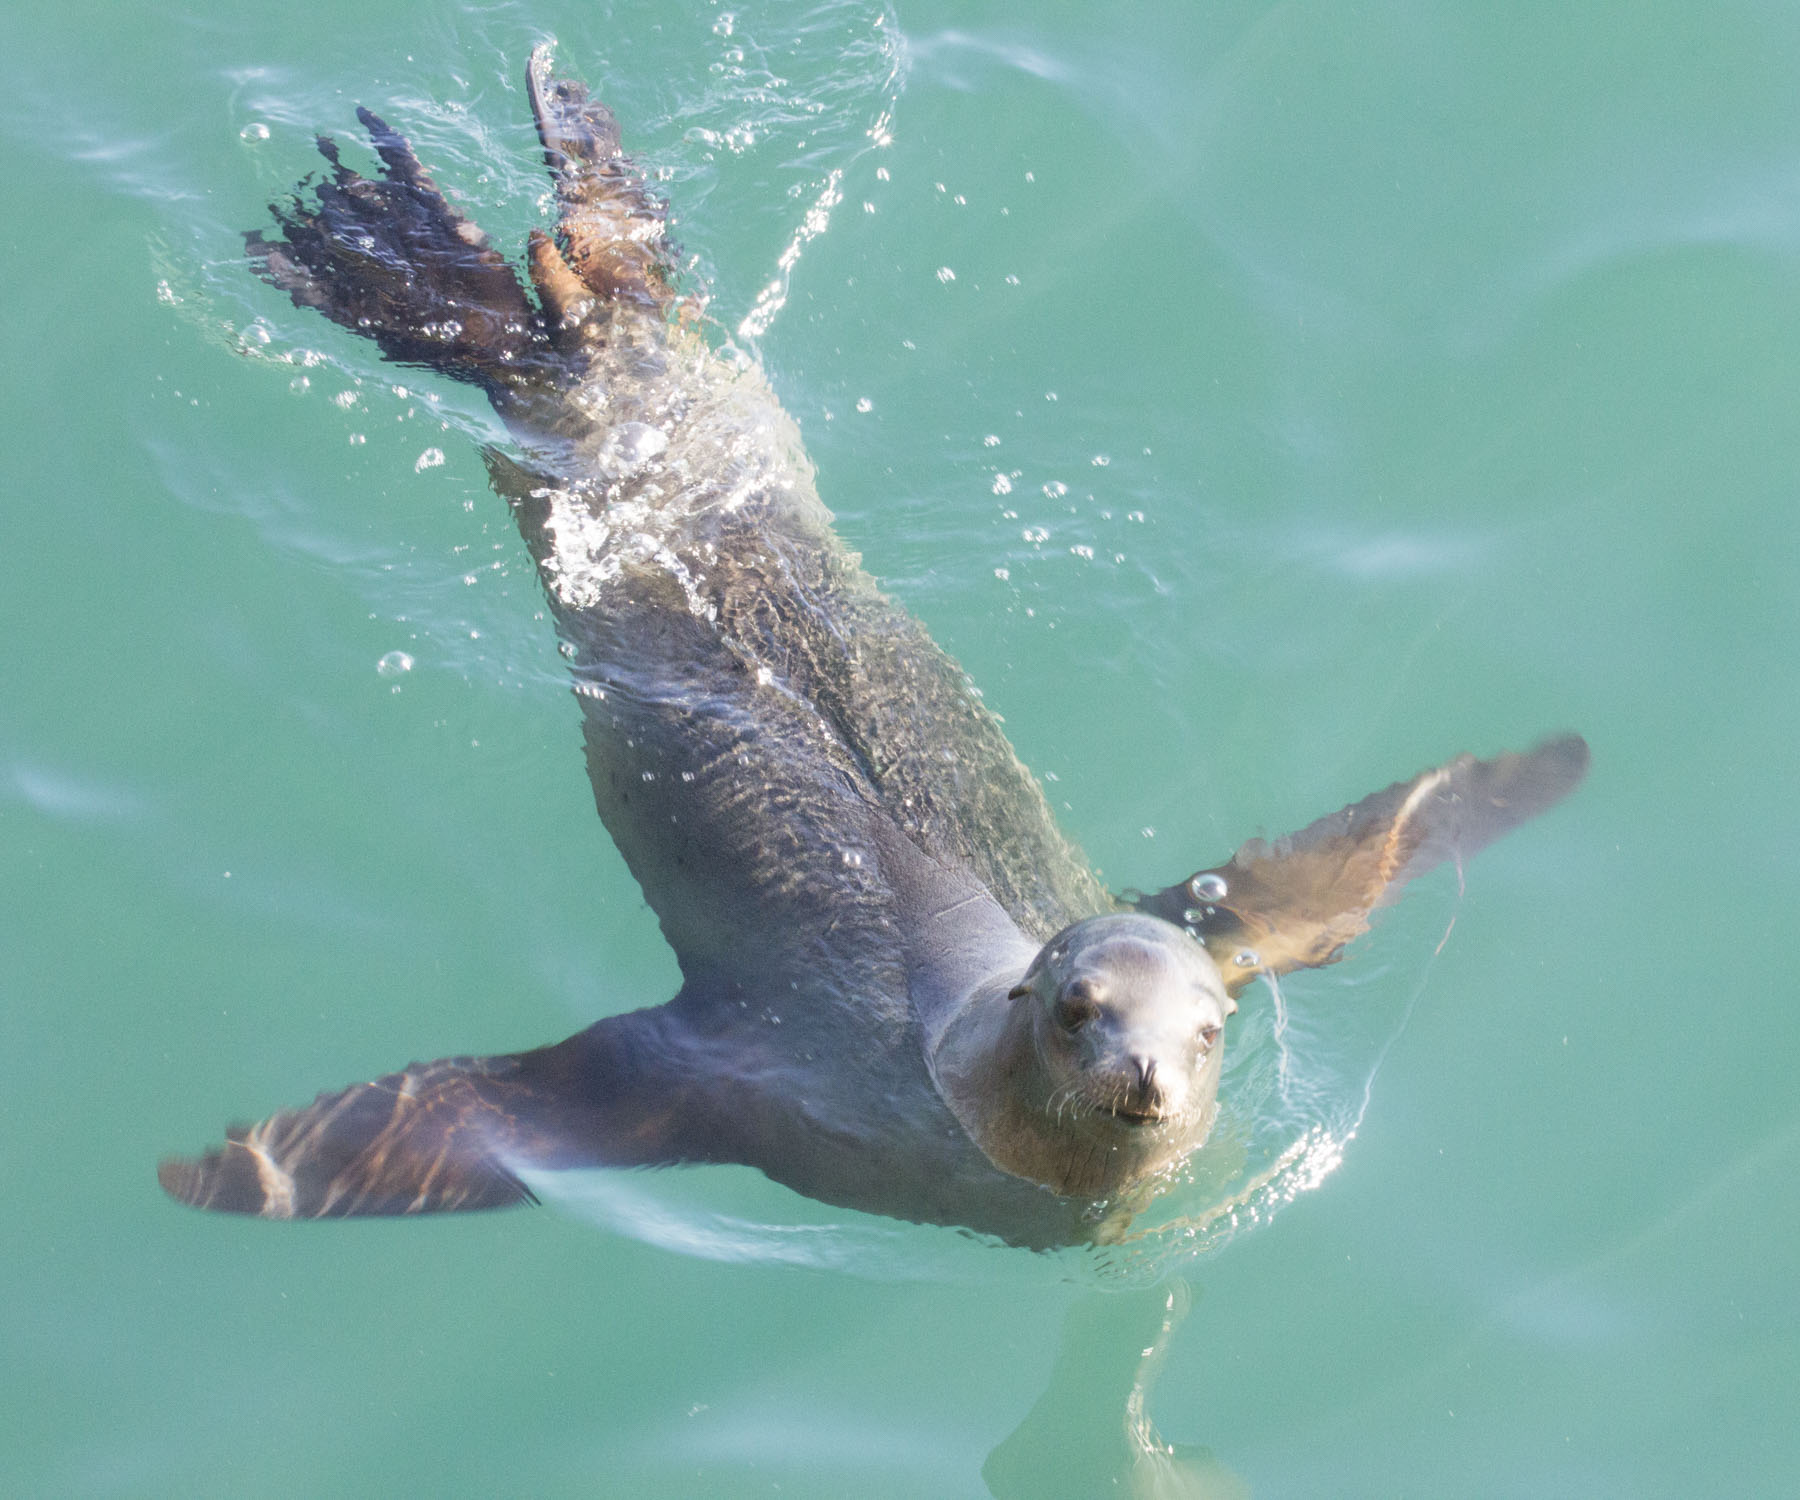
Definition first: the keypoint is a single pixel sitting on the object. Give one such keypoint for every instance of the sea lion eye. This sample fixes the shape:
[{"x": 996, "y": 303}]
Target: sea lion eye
[
  {"x": 1075, "y": 1006},
  {"x": 1209, "y": 1034}
]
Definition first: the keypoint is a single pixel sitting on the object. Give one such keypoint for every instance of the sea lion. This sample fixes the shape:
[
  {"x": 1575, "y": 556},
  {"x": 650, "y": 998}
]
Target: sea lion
[{"x": 903, "y": 989}]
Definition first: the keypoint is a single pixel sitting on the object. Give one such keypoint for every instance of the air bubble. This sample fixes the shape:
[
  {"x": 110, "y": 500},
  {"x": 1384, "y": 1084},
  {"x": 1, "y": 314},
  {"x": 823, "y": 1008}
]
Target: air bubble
[
  {"x": 631, "y": 445},
  {"x": 1246, "y": 958},
  {"x": 863, "y": 403},
  {"x": 944, "y": 273},
  {"x": 255, "y": 131},
  {"x": 394, "y": 664},
  {"x": 1208, "y": 887},
  {"x": 431, "y": 458}
]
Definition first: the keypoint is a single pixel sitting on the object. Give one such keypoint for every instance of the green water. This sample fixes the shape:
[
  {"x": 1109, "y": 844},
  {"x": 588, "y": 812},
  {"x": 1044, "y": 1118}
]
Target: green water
[{"x": 1424, "y": 378}]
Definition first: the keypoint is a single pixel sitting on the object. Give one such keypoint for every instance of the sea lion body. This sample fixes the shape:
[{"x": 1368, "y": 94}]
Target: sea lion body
[
  {"x": 767, "y": 735},
  {"x": 903, "y": 989}
]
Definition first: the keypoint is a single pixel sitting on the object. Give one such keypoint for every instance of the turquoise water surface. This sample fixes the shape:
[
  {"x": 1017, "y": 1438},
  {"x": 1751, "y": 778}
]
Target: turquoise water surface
[{"x": 1262, "y": 401}]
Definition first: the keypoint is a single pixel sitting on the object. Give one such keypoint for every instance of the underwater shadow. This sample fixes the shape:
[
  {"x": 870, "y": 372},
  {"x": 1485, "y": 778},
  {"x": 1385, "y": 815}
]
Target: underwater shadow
[{"x": 1090, "y": 1433}]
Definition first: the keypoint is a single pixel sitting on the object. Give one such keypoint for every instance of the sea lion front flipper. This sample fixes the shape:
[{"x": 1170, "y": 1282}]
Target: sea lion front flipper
[
  {"x": 452, "y": 1134},
  {"x": 1295, "y": 902}
]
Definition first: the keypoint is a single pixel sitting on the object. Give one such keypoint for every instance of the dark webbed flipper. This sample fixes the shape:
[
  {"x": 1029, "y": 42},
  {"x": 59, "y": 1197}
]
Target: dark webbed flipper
[
  {"x": 451, "y": 1134},
  {"x": 1295, "y": 902},
  {"x": 390, "y": 258}
]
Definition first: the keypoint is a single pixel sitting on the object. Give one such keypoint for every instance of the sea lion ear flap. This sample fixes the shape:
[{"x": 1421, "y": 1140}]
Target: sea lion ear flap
[{"x": 1295, "y": 902}]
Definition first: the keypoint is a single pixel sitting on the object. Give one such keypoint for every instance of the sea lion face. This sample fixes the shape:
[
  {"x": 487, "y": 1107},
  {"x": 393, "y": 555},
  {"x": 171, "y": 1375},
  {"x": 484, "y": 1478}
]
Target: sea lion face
[{"x": 1126, "y": 1016}]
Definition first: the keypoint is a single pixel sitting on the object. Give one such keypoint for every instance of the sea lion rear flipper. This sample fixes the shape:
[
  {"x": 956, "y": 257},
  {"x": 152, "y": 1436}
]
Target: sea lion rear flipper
[
  {"x": 1294, "y": 903},
  {"x": 390, "y": 258},
  {"x": 449, "y": 1135},
  {"x": 612, "y": 227}
]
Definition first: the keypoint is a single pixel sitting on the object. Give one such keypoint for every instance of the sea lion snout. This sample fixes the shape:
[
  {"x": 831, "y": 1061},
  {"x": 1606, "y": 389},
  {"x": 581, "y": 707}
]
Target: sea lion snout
[{"x": 1145, "y": 1100}]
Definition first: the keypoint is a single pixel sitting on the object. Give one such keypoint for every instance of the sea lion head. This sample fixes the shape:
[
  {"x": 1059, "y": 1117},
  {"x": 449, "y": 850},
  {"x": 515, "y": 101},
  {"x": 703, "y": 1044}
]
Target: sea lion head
[{"x": 1111, "y": 1054}]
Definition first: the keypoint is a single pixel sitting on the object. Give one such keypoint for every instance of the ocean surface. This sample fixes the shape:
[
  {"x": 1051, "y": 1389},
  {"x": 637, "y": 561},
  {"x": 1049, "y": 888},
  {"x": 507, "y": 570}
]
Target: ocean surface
[{"x": 1263, "y": 402}]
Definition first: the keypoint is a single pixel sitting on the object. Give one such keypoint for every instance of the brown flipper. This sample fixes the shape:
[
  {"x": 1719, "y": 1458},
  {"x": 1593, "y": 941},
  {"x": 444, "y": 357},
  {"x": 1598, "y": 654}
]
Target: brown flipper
[
  {"x": 452, "y": 1134},
  {"x": 612, "y": 227},
  {"x": 1295, "y": 902},
  {"x": 390, "y": 258}
]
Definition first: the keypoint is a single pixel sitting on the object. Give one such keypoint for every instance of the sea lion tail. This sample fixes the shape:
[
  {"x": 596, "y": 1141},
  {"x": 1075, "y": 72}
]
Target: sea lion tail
[
  {"x": 390, "y": 258},
  {"x": 444, "y": 1136}
]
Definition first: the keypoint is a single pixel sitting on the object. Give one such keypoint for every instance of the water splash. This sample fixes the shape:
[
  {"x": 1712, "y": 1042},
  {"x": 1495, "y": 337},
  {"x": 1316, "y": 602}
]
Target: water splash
[
  {"x": 879, "y": 134},
  {"x": 773, "y": 297}
]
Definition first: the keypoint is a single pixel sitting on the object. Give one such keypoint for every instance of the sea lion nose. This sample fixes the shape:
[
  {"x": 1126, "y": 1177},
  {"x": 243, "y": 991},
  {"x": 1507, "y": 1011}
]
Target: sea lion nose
[{"x": 1144, "y": 1085}]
